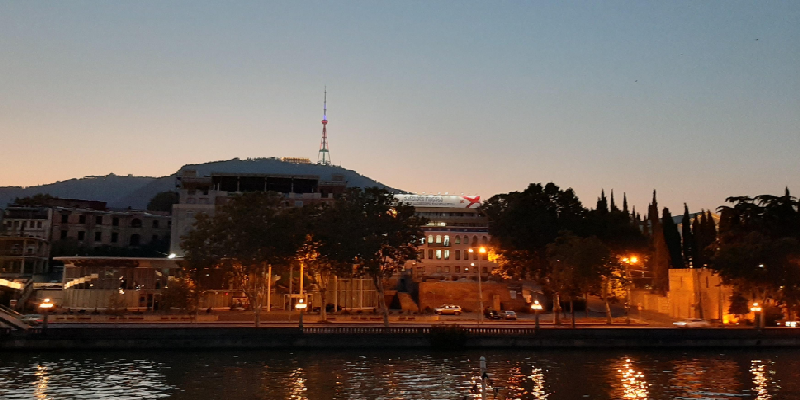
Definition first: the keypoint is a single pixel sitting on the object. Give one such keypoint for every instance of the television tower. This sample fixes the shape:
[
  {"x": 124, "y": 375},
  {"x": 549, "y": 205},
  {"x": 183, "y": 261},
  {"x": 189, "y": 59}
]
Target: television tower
[{"x": 324, "y": 156}]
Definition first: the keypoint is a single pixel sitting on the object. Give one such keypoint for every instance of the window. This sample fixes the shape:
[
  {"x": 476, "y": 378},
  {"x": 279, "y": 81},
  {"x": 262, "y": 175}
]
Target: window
[
  {"x": 439, "y": 269},
  {"x": 114, "y": 237},
  {"x": 81, "y": 235},
  {"x": 64, "y": 218},
  {"x": 135, "y": 239},
  {"x": 420, "y": 270},
  {"x": 154, "y": 238},
  {"x": 155, "y": 224},
  {"x": 458, "y": 254},
  {"x": 438, "y": 239},
  {"x": 485, "y": 240},
  {"x": 447, "y": 254},
  {"x": 98, "y": 220},
  {"x": 447, "y": 269},
  {"x": 421, "y": 254},
  {"x": 23, "y": 224},
  {"x": 63, "y": 234},
  {"x": 438, "y": 254},
  {"x": 474, "y": 256},
  {"x": 39, "y": 224},
  {"x": 430, "y": 254},
  {"x": 447, "y": 240},
  {"x": 115, "y": 222},
  {"x": 81, "y": 219},
  {"x": 136, "y": 223},
  {"x": 474, "y": 241},
  {"x": 485, "y": 270},
  {"x": 422, "y": 241},
  {"x": 98, "y": 236},
  {"x": 430, "y": 238},
  {"x": 457, "y": 269},
  {"x": 458, "y": 239}
]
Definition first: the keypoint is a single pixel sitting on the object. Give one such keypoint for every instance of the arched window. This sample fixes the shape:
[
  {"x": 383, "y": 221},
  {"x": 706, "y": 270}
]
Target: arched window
[
  {"x": 447, "y": 240},
  {"x": 485, "y": 240},
  {"x": 430, "y": 239},
  {"x": 475, "y": 241},
  {"x": 438, "y": 239},
  {"x": 136, "y": 223},
  {"x": 458, "y": 239}
]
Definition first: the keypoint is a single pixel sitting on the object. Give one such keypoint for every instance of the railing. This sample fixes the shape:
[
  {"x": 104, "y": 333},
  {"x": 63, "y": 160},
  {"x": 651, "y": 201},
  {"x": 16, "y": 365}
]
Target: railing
[{"x": 417, "y": 330}]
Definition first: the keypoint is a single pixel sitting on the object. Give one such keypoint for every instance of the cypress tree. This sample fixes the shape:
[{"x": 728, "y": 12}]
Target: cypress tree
[
  {"x": 660, "y": 260},
  {"x": 613, "y": 205},
  {"x": 625, "y": 204},
  {"x": 673, "y": 240},
  {"x": 686, "y": 237}
]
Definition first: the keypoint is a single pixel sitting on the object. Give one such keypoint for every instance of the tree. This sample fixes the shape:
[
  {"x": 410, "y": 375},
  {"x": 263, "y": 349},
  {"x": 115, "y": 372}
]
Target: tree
[
  {"x": 163, "y": 201},
  {"x": 523, "y": 223},
  {"x": 578, "y": 266},
  {"x": 661, "y": 255},
  {"x": 672, "y": 239},
  {"x": 248, "y": 236},
  {"x": 39, "y": 199},
  {"x": 181, "y": 294},
  {"x": 687, "y": 237},
  {"x": 373, "y": 232}
]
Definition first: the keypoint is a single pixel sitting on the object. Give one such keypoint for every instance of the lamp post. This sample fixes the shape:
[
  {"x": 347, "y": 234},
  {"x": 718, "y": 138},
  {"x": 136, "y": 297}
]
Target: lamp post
[
  {"x": 45, "y": 306},
  {"x": 301, "y": 305},
  {"x": 481, "y": 250},
  {"x": 757, "y": 310},
  {"x": 536, "y": 307}
]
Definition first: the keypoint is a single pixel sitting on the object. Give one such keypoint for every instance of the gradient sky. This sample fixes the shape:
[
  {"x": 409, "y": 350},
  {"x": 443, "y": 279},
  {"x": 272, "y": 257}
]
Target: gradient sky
[{"x": 698, "y": 99}]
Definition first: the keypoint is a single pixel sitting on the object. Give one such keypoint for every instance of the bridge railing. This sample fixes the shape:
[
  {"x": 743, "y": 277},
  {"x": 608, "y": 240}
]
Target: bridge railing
[{"x": 422, "y": 330}]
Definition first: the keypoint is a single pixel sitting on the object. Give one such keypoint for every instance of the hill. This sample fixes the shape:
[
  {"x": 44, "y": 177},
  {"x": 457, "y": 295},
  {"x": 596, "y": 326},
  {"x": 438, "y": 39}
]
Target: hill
[{"x": 135, "y": 191}]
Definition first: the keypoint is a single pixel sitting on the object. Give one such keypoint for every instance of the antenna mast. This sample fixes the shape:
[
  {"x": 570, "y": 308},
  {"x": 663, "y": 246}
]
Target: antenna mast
[{"x": 324, "y": 156}]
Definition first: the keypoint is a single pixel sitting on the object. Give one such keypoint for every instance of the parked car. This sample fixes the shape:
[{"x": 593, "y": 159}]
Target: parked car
[
  {"x": 33, "y": 319},
  {"x": 492, "y": 314},
  {"x": 448, "y": 309},
  {"x": 788, "y": 324},
  {"x": 510, "y": 315},
  {"x": 692, "y": 323}
]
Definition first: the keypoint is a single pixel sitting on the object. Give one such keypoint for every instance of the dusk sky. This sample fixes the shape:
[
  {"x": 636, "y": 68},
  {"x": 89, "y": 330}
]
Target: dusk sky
[{"x": 697, "y": 99}]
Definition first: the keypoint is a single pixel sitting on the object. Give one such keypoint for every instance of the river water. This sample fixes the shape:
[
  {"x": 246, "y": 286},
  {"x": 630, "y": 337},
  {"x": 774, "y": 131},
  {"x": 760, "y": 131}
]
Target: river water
[{"x": 402, "y": 374}]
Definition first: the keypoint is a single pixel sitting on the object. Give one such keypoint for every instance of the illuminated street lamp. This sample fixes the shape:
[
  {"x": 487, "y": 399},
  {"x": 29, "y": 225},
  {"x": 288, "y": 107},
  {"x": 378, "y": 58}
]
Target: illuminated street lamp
[
  {"x": 536, "y": 307},
  {"x": 756, "y": 309},
  {"x": 301, "y": 305},
  {"x": 481, "y": 250},
  {"x": 45, "y": 306}
]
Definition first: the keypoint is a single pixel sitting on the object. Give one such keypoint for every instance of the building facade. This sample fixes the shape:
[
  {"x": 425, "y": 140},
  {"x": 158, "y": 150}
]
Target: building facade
[{"x": 454, "y": 234}]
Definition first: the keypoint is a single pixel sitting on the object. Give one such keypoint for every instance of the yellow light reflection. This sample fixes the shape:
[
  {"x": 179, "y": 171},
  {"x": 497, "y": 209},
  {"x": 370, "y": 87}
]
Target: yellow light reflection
[
  {"x": 297, "y": 388},
  {"x": 761, "y": 379},
  {"x": 537, "y": 377},
  {"x": 42, "y": 379},
  {"x": 632, "y": 382}
]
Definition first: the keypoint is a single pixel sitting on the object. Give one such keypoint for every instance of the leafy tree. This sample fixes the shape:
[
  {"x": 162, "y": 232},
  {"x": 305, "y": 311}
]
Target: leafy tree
[
  {"x": 181, "y": 294},
  {"x": 373, "y": 232},
  {"x": 523, "y": 223},
  {"x": 39, "y": 199},
  {"x": 248, "y": 236},
  {"x": 578, "y": 266},
  {"x": 163, "y": 201}
]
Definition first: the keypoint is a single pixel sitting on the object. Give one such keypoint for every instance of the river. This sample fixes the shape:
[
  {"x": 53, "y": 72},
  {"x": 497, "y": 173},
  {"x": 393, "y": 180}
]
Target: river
[{"x": 402, "y": 374}]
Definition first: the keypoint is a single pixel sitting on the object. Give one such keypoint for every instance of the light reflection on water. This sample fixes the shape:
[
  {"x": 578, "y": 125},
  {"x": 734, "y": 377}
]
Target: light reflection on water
[{"x": 396, "y": 374}]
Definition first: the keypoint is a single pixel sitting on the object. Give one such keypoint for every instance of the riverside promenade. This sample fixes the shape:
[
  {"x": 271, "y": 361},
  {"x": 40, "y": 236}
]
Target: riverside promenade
[{"x": 200, "y": 336}]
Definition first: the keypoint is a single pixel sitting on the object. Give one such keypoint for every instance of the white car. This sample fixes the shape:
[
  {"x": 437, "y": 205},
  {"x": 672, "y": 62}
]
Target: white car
[
  {"x": 451, "y": 309},
  {"x": 33, "y": 319},
  {"x": 693, "y": 323}
]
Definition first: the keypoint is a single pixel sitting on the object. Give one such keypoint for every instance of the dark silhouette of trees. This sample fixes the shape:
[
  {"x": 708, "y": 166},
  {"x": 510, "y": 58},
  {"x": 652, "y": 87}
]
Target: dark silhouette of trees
[
  {"x": 672, "y": 239},
  {"x": 163, "y": 201},
  {"x": 687, "y": 237}
]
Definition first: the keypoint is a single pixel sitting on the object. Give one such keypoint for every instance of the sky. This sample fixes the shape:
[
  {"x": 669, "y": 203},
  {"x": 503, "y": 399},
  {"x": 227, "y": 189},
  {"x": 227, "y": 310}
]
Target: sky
[{"x": 699, "y": 100}]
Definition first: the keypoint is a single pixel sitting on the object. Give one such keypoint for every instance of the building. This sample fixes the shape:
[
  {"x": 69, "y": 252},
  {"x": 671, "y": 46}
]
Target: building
[
  {"x": 202, "y": 194},
  {"x": 87, "y": 224},
  {"x": 455, "y": 226}
]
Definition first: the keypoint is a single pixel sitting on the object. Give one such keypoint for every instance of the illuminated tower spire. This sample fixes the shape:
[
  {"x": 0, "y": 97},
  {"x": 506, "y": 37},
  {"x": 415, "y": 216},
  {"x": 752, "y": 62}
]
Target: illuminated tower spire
[{"x": 324, "y": 156}]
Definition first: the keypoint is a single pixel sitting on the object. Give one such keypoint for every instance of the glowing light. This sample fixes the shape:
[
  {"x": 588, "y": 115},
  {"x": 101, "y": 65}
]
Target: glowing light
[
  {"x": 536, "y": 306},
  {"x": 755, "y": 308}
]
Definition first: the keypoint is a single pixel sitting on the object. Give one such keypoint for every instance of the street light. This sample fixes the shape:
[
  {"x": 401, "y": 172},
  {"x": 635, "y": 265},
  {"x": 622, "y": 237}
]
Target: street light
[
  {"x": 301, "y": 305},
  {"x": 481, "y": 250},
  {"x": 755, "y": 308},
  {"x": 536, "y": 307},
  {"x": 45, "y": 306}
]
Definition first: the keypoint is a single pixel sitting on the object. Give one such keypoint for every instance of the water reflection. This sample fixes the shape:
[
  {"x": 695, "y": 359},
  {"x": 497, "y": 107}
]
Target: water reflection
[
  {"x": 399, "y": 375},
  {"x": 631, "y": 382}
]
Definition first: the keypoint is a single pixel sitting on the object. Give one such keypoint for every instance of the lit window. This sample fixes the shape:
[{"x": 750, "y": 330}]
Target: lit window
[
  {"x": 430, "y": 238},
  {"x": 447, "y": 240},
  {"x": 458, "y": 239},
  {"x": 438, "y": 238},
  {"x": 438, "y": 254},
  {"x": 447, "y": 254}
]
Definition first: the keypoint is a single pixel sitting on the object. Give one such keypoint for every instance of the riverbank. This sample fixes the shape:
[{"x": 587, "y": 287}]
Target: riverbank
[{"x": 129, "y": 338}]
